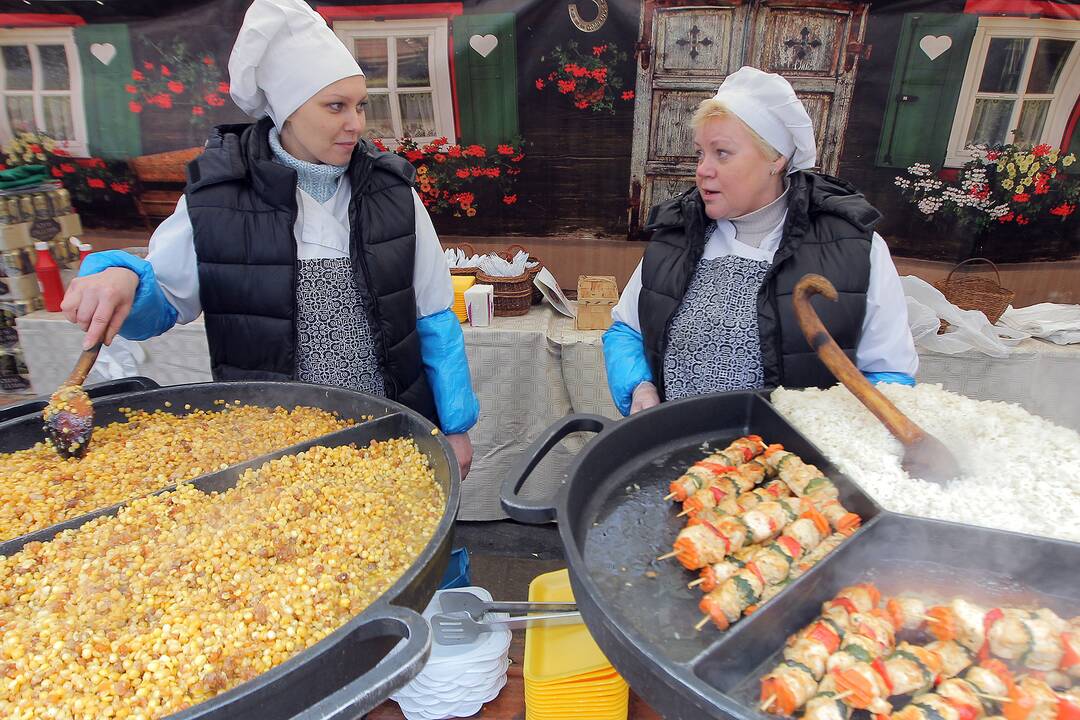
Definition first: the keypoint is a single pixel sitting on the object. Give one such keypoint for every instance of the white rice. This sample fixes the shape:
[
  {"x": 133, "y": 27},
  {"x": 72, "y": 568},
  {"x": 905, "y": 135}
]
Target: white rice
[{"x": 1021, "y": 472}]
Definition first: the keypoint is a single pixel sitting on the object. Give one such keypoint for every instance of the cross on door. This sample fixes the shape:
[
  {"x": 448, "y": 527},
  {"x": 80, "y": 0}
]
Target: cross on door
[
  {"x": 693, "y": 42},
  {"x": 803, "y": 46}
]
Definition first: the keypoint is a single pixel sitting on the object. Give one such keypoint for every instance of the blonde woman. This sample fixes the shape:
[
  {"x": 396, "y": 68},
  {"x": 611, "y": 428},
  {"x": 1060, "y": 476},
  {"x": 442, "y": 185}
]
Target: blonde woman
[{"x": 709, "y": 307}]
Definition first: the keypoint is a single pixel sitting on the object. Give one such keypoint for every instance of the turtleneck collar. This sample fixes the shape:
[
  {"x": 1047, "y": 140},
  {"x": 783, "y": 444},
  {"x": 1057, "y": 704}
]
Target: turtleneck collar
[
  {"x": 317, "y": 180},
  {"x": 753, "y": 227}
]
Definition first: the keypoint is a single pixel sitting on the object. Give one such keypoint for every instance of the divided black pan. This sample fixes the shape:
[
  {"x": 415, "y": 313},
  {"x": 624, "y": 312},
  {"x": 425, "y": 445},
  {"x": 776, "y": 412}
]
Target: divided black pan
[
  {"x": 357, "y": 667},
  {"x": 614, "y": 523}
]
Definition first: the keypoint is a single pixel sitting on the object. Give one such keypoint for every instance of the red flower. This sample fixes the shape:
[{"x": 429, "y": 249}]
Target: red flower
[
  {"x": 67, "y": 167},
  {"x": 513, "y": 171},
  {"x": 165, "y": 71},
  {"x": 454, "y": 151},
  {"x": 223, "y": 88},
  {"x": 1063, "y": 210},
  {"x": 628, "y": 95},
  {"x": 198, "y": 110},
  {"x": 379, "y": 145},
  {"x": 148, "y": 65},
  {"x": 475, "y": 151},
  {"x": 510, "y": 199},
  {"x": 439, "y": 157},
  {"x": 567, "y": 86},
  {"x": 992, "y": 155},
  {"x": 581, "y": 104},
  {"x": 1021, "y": 220},
  {"x": 96, "y": 183},
  {"x": 518, "y": 158},
  {"x": 56, "y": 172},
  {"x": 414, "y": 155},
  {"x": 539, "y": 83},
  {"x": 131, "y": 89},
  {"x": 505, "y": 150},
  {"x": 135, "y": 107},
  {"x": 551, "y": 76},
  {"x": 1041, "y": 150},
  {"x": 162, "y": 100},
  {"x": 1021, "y": 197},
  {"x": 137, "y": 76},
  {"x": 34, "y": 147},
  {"x": 598, "y": 50},
  {"x": 600, "y": 75},
  {"x": 58, "y": 151},
  {"x": 175, "y": 87},
  {"x": 214, "y": 100},
  {"x": 1007, "y": 217},
  {"x": 462, "y": 173},
  {"x": 121, "y": 187},
  {"x": 207, "y": 60}
]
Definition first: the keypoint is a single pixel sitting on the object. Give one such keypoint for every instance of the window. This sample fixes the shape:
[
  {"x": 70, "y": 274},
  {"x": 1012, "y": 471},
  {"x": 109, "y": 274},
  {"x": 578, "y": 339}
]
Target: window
[
  {"x": 408, "y": 76},
  {"x": 41, "y": 86},
  {"x": 1021, "y": 82}
]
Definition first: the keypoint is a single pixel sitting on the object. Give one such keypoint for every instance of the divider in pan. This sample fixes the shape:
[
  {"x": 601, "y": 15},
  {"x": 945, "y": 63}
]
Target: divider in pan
[{"x": 932, "y": 559}]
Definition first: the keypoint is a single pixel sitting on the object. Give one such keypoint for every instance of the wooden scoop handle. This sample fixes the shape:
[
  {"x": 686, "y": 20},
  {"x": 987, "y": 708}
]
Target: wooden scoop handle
[
  {"x": 82, "y": 367},
  {"x": 841, "y": 366}
]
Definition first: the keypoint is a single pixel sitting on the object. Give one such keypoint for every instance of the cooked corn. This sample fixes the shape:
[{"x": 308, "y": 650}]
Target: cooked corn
[
  {"x": 150, "y": 451},
  {"x": 185, "y": 595}
]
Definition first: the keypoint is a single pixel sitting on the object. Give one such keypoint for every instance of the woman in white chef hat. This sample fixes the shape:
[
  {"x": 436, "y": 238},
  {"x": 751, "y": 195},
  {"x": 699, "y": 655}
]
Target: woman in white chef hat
[
  {"x": 709, "y": 308},
  {"x": 308, "y": 251}
]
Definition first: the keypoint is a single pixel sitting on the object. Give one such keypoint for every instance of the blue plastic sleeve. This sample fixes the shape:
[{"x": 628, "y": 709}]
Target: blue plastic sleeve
[
  {"x": 442, "y": 349},
  {"x": 624, "y": 358},
  {"x": 151, "y": 314},
  {"x": 890, "y": 377}
]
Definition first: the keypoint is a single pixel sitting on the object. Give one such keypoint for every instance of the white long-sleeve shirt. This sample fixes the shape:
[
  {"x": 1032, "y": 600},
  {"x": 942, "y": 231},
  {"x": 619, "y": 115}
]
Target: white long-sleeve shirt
[
  {"x": 885, "y": 345},
  {"x": 172, "y": 251}
]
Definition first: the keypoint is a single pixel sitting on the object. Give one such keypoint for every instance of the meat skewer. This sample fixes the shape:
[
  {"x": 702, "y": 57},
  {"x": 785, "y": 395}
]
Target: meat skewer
[
  {"x": 706, "y": 471},
  {"x": 1039, "y": 640}
]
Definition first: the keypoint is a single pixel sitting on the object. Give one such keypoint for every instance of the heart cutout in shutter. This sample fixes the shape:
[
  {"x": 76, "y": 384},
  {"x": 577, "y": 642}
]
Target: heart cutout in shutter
[
  {"x": 483, "y": 44},
  {"x": 935, "y": 46},
  {"x": 104, "y": 52}
]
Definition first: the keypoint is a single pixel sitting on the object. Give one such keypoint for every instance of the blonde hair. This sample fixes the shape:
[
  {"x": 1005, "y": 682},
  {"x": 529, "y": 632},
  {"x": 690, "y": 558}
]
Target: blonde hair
[{"x": 712, "y": 108}]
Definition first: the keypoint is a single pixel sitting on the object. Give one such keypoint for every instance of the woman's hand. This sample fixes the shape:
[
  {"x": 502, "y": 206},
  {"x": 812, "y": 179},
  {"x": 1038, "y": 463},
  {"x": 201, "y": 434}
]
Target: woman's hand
[
  {"x": 462, "y": 451},
  {"x": 644, "y": 397},
  {"x": 100, "y": 303}
]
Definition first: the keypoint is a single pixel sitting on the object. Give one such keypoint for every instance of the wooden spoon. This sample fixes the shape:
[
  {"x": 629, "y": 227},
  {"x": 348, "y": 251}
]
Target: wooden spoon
[
  {"x": 924, "y": 455},
  {"x": 69, "y": 416}
]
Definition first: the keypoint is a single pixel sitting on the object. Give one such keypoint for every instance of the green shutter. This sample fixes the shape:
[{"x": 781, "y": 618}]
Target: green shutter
[
  {"x": 486, "y": 86},
  {"x": 924, "y": 92},
  {"x": 113, "y": 129}
]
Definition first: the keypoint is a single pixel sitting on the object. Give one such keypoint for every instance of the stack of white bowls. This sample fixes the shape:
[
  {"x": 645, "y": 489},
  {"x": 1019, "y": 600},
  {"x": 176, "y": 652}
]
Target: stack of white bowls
[{"x": 458, "y": 679}]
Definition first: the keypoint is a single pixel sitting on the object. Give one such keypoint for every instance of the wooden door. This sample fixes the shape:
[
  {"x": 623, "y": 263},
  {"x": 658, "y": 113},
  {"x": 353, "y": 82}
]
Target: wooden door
[{"x": 686, "y": 51}]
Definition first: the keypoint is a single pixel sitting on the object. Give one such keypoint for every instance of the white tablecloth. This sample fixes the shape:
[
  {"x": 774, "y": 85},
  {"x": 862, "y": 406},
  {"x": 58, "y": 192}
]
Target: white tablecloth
[{"x": 530, "y": 371}]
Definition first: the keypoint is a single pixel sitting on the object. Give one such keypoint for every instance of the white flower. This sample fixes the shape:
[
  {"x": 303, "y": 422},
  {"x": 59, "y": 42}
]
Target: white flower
[{"x": 902, "y": 183}]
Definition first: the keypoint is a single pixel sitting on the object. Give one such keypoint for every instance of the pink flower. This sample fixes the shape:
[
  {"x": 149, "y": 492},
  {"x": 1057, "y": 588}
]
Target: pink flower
[
  {"x": 131, "y": 89},
  {"x": 175, "y": 87},
  {"x": 165, "y": 71},
  {"x": 539, "y": 84},
  {"x": 135, "y": 107},
  {"x": 198, "y": 110},
  {"x": 137, "y": 76}
]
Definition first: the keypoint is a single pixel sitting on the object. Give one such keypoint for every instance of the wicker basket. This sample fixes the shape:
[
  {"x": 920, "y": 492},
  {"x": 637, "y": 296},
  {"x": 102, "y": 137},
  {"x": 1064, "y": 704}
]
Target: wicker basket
[
  {"x": 970, "y": 292},
  {"x": 537, "y": 296},
  {"x": 512, "y": 295},
  {"x": 469, "y": 251}
]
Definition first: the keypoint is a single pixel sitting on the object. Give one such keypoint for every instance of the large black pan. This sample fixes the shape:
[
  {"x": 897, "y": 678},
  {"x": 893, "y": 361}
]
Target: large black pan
[
  {"x": 357, "y": 667},
  {"x": 614, "y": 523}
]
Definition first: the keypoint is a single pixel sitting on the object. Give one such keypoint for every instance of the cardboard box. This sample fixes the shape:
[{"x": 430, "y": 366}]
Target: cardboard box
[
  {"x": 19, "y": 287},
  {"x": 597, "y": 295},
  {"x": 15, "y": 236},
  {"x": 480, "y": 305}
]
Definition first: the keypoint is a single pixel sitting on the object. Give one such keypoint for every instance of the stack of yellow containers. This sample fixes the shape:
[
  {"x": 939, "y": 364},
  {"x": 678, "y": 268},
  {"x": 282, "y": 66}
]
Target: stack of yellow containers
[
  {"x": 566, "y": 675},
  {"x": 461, "y": 284}
]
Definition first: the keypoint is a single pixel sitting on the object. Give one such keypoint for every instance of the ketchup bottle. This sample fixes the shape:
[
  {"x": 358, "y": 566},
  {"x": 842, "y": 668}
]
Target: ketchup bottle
[
  {"x": 84, "y": 250},
  {"x": 48, "y": 273}
]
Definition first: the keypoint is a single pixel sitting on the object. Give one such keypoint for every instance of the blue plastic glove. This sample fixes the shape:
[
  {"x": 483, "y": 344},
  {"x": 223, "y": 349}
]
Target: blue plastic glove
[
  {"x": 624, "y": 358},
  {"x": 151, "y": 314},
  {"x": 442, "y": 349},
  {"x": 890, "y": 377}
]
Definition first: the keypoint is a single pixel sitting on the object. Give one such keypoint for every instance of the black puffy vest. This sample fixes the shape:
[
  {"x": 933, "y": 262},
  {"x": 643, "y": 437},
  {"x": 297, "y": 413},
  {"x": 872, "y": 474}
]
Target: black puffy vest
[
  {"x": 242, "y": 206},
  {"x": 828, "y": 231}
]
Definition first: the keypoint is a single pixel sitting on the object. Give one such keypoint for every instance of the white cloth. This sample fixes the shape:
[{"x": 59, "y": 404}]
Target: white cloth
[
  {"x": 1055, "y": 322},
  {"x": 968, "y": 329},
  {"x": 768, "y": 104},
  {"x": 318, "y": 233},
  {"x": 885, "y": 345},
  {"x": 284, "y": 54}
]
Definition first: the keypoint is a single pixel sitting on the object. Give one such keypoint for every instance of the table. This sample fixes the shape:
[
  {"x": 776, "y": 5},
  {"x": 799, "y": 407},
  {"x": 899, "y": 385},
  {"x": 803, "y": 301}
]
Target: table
[{"x": 532, "y": 370}]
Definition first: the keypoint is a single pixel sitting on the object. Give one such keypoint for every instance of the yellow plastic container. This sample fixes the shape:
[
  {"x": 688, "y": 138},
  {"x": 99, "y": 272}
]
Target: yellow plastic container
[{"x": 461, "y": 284}]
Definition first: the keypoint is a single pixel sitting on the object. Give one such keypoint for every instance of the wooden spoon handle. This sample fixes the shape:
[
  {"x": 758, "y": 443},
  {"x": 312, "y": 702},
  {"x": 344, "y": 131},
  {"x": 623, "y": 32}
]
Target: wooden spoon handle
[
  {"x": 841, "y": 366},
  {"x": 82, "y": 367}
]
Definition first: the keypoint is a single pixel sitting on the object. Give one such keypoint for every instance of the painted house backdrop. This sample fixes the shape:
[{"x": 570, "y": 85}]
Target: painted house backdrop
[{"x": 571, "y": 119}]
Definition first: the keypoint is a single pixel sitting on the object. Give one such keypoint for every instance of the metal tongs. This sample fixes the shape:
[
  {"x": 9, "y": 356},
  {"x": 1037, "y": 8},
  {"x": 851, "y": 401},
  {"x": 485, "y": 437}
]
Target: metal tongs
[{"x": 462, "y": 618}]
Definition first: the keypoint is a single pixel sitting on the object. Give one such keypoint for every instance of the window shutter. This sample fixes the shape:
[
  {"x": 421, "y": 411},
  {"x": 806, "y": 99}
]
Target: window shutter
[
  {"x": 487, "y": 93},
  {"x": 113, "y": 130},
  {"x": 924, "y": 92}
]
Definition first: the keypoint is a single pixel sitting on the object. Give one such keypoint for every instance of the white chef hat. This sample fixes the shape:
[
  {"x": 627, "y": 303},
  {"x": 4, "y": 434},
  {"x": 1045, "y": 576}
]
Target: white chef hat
[
  {"x": 284, "y": 54},
  {"x": 767, "y": 103}
]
